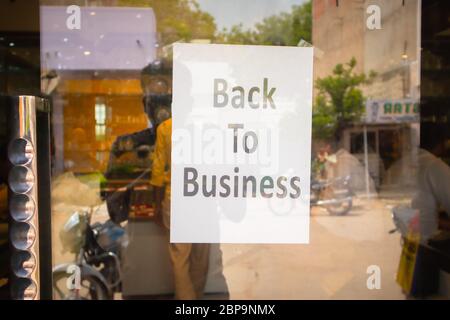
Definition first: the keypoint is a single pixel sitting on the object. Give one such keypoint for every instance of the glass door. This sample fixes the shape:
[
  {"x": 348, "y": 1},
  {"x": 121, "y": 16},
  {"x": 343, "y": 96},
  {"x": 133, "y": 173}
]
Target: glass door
[{"x": 379, "y": 146}]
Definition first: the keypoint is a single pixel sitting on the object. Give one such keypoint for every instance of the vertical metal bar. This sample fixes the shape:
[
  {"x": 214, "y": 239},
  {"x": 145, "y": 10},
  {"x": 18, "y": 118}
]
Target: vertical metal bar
[
  {"x": 366, "y": 162},
  {"x": 44, "y": 213},
  {"x": 23, "y": 199}
]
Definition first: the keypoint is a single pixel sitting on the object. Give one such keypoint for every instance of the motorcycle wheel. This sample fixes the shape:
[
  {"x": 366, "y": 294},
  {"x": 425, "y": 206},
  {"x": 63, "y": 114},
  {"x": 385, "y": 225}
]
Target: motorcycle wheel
[
  {"x": 91, "y": 288},
  {"x": 340, "y": 209}
]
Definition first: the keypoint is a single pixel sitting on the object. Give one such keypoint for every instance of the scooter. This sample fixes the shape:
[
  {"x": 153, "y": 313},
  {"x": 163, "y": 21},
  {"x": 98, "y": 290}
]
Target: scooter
[
  {"x": 335, "y": 195},
  {"x": 96, "y": 274}
]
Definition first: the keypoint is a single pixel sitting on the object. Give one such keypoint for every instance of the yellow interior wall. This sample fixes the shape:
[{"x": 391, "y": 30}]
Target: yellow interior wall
[{"x": 82, "y": 152}]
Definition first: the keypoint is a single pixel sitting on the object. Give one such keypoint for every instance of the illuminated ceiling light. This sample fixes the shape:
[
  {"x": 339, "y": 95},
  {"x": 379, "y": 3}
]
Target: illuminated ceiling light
[
  {"x": 92, "y": 13},
  {"x": 87, "y": 53},
  {"x": 65, "y": 39},
  {"x": 404, "y": 56},
  {"x": 11, "y": 44}
]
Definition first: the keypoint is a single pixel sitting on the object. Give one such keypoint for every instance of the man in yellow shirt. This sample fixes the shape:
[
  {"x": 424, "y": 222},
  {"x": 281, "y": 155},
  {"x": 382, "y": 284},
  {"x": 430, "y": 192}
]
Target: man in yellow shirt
[{"x": 189, "y": 261}]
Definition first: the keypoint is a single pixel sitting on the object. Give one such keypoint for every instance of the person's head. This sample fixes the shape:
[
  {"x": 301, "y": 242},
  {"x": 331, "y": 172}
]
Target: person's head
[{"x": 157, "y": 91}]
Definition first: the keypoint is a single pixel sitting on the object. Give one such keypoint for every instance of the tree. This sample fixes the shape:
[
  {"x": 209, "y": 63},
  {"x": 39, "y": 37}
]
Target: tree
[
  {"x": 178, "y": 19},
  {"x": 281, "y": 29},
  {"x": 340, "y": 101},
  {"x": 236, "y": 35},
  {"x": 301, "y": 23}
]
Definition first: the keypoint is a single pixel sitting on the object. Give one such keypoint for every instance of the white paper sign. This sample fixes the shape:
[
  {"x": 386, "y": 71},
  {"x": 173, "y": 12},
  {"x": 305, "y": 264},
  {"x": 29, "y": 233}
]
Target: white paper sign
[{"x": 241, "y": 144}]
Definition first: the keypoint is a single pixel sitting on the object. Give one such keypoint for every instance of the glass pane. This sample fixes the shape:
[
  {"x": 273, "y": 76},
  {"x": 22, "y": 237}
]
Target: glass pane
[
  {"x": 379, "y": 190},
  {"x": 114, "y": 87}
]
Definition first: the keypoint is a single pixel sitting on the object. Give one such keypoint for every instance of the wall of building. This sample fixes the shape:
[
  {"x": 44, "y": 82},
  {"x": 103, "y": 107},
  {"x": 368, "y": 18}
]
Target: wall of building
[
  {"x": 340, "y": 32},
  {"x": 81, "y": 149},
  {"x": 392, "y": 52}
]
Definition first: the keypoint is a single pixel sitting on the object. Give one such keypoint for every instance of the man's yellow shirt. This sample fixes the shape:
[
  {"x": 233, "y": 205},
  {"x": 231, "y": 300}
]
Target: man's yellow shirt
[{"x": 162, "y": 156}]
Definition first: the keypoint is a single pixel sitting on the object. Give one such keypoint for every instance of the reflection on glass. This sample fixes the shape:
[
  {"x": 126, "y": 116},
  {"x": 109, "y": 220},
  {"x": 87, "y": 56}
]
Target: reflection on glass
[
  {"x": 21, "y": 207},
  {"x": 24, "y": 289},
  {"x": 23, "y": 263},
  {"x": 368, "y": 124},
  {"x": 20, "y": 152},
  {"x": 23, "y": 235},
  {"x": 21, "y": 179}
]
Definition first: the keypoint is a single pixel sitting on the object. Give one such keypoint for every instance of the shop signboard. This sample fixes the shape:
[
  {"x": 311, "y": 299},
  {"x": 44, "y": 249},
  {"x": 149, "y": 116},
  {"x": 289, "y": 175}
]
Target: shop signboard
[
  {"x": 392, "y": 111},
  {"x": 241, "y": 144}
]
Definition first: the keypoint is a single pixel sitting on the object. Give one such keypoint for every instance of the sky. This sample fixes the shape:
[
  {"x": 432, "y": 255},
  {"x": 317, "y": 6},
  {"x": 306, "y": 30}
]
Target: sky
[{"x": 230, "y": 12}]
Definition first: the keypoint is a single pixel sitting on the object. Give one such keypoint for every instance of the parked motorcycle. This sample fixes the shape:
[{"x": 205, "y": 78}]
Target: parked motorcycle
[
  {"x": 335, "y": 195},
  {"x": 96, "y": 273}
]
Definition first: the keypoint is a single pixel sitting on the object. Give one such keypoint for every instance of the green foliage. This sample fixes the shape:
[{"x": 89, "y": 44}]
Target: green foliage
[
  {"x": 323, "y": 120},
  {"x": 339, "y": 101},
  {"x": 184, "y": 20},
  {"x": 281, "y": 29},
  {"x": 178, "y": 19},
  {"x": 236, "y": 35}
]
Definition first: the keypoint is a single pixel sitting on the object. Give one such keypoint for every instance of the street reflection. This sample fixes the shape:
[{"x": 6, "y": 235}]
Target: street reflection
[{"x": 111, "y": 85}]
